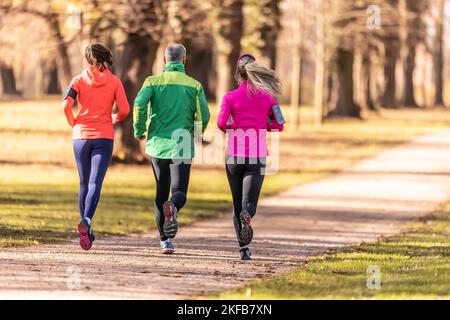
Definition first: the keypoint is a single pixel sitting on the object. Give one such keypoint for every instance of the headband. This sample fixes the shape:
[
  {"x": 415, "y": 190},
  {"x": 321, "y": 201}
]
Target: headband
[{"x": 246, "y": 54}]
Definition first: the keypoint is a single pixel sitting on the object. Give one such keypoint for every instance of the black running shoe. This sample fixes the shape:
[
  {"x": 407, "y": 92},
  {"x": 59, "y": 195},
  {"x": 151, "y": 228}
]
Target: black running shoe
[
  {"x": 170, "y": 226},
  {"x": 246, "y": 234},
  {"x": 245, "y": 253}
]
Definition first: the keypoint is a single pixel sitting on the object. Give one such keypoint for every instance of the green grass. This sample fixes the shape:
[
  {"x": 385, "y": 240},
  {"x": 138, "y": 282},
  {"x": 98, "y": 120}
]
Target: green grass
[
  {"x": 45, "y": 209},
  {"x": 38, "y": 179},
  {"x": 413, "y": 265}
]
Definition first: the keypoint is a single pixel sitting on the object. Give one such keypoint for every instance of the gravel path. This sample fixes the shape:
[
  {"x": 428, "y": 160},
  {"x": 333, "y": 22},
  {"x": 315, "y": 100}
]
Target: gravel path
[{"x": 371, "y": 200}]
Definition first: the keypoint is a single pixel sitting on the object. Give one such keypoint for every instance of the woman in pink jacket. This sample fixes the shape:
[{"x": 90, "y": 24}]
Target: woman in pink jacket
[{"x": 246, "y": 114}]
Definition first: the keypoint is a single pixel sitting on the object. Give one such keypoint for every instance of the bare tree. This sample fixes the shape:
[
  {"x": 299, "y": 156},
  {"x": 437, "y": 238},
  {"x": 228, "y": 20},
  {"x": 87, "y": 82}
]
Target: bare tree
[
  {"x": 319, "y": 66},
  {"x": 190, "y": 26},
  {"x": 360, "y": 45},
  {"x": 268, "y": 29},
  {"x": 438, "y": 57},
  {"x": 391, "y": 49},
  {"x": 412, "y": 32},
  {"x": 47, "y": 13},
  {"x": 8, "y": 80},
  {"x": 297, "y": 63},
  {"x": 342, "y": 23},
  {"x": 227, "y": 31},
  {"x": 136, "y": 54}
]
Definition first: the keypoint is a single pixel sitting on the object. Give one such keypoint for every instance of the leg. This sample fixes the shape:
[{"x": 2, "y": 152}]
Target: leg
[
  {"x": 162, "y": 177},
  {"x": 179, "y": 181},
  {"x": 234, "y": 175},
  {"x": 100, "y": 159},
  {"x": 251, "y": 189},
  {"x": 82, "y": 151}
]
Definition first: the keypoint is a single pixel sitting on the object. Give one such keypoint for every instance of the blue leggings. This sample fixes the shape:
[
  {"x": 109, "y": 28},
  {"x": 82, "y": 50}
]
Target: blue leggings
[{"x": 93, "y": 158}]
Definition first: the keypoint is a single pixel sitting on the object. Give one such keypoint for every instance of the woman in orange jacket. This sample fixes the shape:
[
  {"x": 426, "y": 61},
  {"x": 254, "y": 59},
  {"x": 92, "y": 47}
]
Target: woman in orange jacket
[{"x": 96, "y": 90}]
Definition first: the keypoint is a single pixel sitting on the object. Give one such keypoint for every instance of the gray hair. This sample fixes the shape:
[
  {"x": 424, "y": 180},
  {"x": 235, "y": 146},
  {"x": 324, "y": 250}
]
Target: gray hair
[{"x": 175, "y": 52}]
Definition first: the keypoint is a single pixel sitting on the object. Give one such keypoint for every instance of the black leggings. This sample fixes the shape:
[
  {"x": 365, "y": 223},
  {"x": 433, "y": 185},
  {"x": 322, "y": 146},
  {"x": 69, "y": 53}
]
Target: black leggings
[
  {"x": 170, "y": 175},
  {"x": 245, "y": 176}
]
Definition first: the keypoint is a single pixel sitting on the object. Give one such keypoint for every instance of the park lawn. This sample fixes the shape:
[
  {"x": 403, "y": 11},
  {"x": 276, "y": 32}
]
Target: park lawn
[
  {"x": 45, "y": 209},
  {"x": 38, "y": 179},
  {"x": 413, "y": 265}
]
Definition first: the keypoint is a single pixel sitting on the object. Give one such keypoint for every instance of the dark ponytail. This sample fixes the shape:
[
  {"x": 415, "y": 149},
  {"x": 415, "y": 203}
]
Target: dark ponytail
[{"x": 98, "y": 55}]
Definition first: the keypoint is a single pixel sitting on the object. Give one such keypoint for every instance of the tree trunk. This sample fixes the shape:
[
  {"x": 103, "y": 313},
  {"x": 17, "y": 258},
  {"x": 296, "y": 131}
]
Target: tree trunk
[
  {"x": 136, "y": 63},
  {"x": 409, "y": 66},
  {"x": 345, "y": 105},
  {"x": 367, "y": 84},
  {"x": 8, "y": 81},
  {"x": 390, "y": 62},
  {"x": 319, "y": 73},
  {"x": 190, "y": 26},
  {"x": 296, "y": 79},
  {"x": 269, "y": 30},
  {"x": 407, "y": 53},
  {"x": 199, "y": 65},
  {"x": 51, "y": 79},
  {"x": 228, "y": 44},
  {"x": 331, "y": 85},
  {"x": 369, "y": 80},
  {"x": 63, "y": 61},
  {"x": 438, "y": 61},
  {"x": 360, "y": 73}
]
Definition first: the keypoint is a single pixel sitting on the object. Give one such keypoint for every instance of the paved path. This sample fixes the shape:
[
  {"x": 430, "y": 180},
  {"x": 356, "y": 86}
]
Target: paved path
[{"x": 373, "y": 199}]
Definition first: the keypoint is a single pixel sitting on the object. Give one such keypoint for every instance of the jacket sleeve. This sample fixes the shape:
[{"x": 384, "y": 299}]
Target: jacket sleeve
[
  {"x": 273, "y": 125},
  {"x": 204, "y": 109},
  {"x": 122, "y": 103},
  {"x": 140, "y": 110},
  {"x": 68, "y": 100},
  {"x": 224, "y": 114}
]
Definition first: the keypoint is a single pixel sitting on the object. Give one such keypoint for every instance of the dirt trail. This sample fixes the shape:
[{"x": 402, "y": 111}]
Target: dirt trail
[{"x": 373, "y": 199}]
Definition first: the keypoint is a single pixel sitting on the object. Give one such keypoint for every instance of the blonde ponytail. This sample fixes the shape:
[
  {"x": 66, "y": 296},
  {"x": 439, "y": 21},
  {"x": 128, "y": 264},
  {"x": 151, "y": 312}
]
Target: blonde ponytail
[
  {"x": 257, "y": 76},
  {"x": 262, "y": 78}
]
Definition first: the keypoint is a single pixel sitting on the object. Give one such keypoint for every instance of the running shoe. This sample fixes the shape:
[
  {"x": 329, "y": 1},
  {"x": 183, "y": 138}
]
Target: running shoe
[
  {"x": 245, "y": 253},
  {"x": 246, "y": 234},
  {"x": 167, "y": 247},
  {"x": 170, "y": 226},
  {"x": 86, "y": 235}
]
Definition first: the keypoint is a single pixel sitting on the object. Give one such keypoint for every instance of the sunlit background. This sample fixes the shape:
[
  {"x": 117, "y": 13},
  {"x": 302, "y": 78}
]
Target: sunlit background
[{"x": 358, "y": 76}]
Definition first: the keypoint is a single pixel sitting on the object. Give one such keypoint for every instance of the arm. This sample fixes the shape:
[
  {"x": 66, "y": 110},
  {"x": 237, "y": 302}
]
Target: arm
[
  {"x": 273, "y": 125},
  {"x": 204, "y": 109},
  {"x": 122, "y": 103},
  {"x": 140, "y": 112},
  {"x": 224, "y": 114},
  {"x": 68, "y": 100}
]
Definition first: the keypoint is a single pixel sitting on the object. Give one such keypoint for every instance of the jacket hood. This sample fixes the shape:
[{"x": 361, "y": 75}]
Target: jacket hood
[
  {"x": 96, "y": 78},
  {"x": 175, "y": 66}
]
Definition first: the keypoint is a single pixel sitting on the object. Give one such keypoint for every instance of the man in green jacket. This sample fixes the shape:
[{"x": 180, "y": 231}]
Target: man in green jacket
[{"x": 178, "y": 110}]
